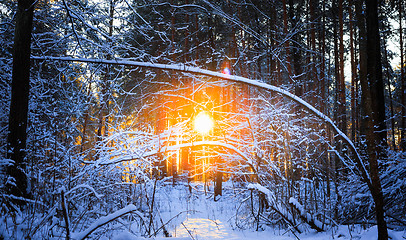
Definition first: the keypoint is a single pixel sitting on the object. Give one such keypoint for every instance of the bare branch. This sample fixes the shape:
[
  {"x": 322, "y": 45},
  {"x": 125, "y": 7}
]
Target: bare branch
[{"x": 233, "y": 78}]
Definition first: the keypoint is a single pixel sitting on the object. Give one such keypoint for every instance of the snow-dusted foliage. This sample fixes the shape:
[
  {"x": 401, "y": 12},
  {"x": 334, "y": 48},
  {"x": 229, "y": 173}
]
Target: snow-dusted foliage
[
  {"x": 113, "y": 149},
  {"x": 6, "y": 29},
  {"x": 358, "y": 204}
]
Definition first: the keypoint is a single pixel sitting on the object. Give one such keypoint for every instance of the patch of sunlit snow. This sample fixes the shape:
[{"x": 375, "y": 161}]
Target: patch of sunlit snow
[{"x": 205, "y": 229}]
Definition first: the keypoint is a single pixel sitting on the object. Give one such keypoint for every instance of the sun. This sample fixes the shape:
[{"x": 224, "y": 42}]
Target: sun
[{"x": 203, "y": 123}]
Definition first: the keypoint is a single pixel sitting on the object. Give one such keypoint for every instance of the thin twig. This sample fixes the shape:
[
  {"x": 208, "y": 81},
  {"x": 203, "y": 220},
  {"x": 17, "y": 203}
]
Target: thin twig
[
  {"x": 73, "y": 26},
  {"x": 188, "y": 231},
  {"x": 166, "y": 223}
]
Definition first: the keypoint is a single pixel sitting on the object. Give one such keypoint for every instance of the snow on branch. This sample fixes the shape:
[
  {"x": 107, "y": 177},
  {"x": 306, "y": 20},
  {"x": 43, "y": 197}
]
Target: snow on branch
[
  {"x": 104, "y": 220},
  {"x": 264, "y": 190},
  {"x": 6, "y": 162},
  {"x": 272, "y": 203},
  {"x": 84, "y": 186},
  {"x": 126, "y": 158},
  {"x": 255, "y": 83},
  {"x": 305, "y": 216}
]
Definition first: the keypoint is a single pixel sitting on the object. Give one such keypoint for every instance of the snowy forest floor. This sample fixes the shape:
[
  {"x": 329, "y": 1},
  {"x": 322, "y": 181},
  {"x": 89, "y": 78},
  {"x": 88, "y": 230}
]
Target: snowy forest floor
[{"x": 196, "y": 216}]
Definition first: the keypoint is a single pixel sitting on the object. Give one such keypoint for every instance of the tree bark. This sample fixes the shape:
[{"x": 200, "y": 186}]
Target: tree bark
[
  {"x": 285, "y": 34},
  {"x": 339, "y": 109},
  {"x": 314, "y": 84},
  {"x": 296, "y": 55},
  {"x": 402, "y": 143},
  {"x": 20, "y": 89},
  {"x": 374, "y": 73},
  {"x": 322, "y": 47},
  {"x": 218, "y": 188},
  {"x": 104, "y": 111},
  {"x": 371, "y": 78},
  {"x": 341, "y": 83},
  {"x": 353, "y": 77}
]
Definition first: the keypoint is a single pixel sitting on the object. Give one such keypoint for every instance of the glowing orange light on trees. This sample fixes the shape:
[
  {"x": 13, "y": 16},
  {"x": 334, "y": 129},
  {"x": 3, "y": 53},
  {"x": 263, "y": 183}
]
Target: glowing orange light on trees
[{"x": 203, "y": 123}]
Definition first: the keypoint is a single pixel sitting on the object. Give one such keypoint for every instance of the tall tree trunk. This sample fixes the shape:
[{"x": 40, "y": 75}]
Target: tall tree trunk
[
  {"x": 294, "y": 16},
  {"x": 20, "y": 89},
  {"x": 392, "y": 113},
  {"x": 314, "y": 77},
  {"x": 195, "y": 38},
  {"x": 102, "y": 129},
  {"x": 218, "y": 187},
  {"x": 370, "y": 64},
  {"x": 186, "y": 53},
  {"x": 338, "y": 109},
  {"x": 322, "y": 42},
  {"x": 285, "y": 34},
  {"x": 272, "y": 65},
  {"x": 323, "y": 88},
  {"x": 86, "y": 119},
  {"x": 402, "y": 81},
  {"x": 342, "y": 119},
  {"x": 353, "y": 76},
  {"x": 374, "y": 73},
  {"x": 211, "y": 24},
  {"x": 171, "y": 160}
]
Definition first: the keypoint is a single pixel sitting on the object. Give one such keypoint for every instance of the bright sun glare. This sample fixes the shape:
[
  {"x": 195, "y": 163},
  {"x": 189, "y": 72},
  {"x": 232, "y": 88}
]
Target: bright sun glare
[
  {"x": 203, "y": 123},
  {"x": 226, "y": 71}
]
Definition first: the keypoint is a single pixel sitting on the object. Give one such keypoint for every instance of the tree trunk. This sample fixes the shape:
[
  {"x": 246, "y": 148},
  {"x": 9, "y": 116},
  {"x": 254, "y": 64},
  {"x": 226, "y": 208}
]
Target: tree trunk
[
  {"x": 371, "y": 73},
  {"x": 102, "y": 129},
  {"x": 294, "y": 16},
  {"x": 342, "y": 119},
  {"x": 374, "y": 73},
  {"x": 187, "y": 48},
  {"x": 285, "y": 34},
  {"x": 218, "y": 181},
  {"x": 272, "y": 65},
  {"x": 338, "y": 107},
  {"x": 20, "y": 89},
  {"x": 402, "y": 143},
  {"x": 314, "y": 76},
  {"x": 376, "y": 86},
  {"x": 353, "y": 76},
  {"x": 391, "y": 114},
  {"x": 322, "y": 42}
]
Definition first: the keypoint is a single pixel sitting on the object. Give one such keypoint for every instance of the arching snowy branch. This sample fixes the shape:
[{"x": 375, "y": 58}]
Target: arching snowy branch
[
  {"x": 233, "y": 78},
  {"x": 126, "y": 158}
]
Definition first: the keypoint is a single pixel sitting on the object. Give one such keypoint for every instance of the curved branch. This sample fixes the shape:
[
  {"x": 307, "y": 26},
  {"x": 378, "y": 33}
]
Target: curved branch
[
  {"x": 233, "y": 78},
  {"x": 104, "y": 220},
  {"x": 180, "y": 146},
  {"x": 73, "y": 26}
]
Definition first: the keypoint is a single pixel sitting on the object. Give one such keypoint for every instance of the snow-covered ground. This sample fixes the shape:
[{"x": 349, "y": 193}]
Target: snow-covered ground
[{"x": 197, "y": 216}]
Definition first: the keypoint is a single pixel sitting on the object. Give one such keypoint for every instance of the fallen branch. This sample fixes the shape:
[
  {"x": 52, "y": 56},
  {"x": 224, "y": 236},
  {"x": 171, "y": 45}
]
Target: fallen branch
[
  {"x": 166, "y": 223},
  {"x": 270, "y": 202},
  {"x": 305, "y": 216},
  {"x": 190, "y": 234},
  {"x": 103, "y": 221}
]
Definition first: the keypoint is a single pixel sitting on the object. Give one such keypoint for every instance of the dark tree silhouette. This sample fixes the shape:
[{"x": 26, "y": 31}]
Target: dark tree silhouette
[
  {"x": 376, "y": 139},
  {"x": 20, "y": 88}
]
